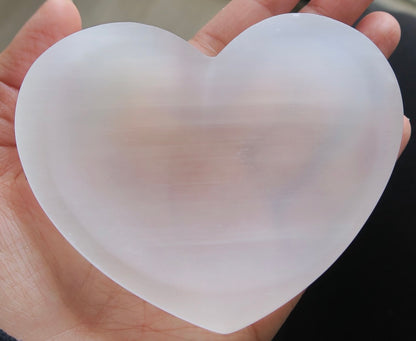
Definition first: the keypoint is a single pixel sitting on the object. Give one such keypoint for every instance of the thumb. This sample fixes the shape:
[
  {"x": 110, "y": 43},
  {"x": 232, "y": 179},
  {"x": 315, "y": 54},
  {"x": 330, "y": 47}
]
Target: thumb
[{"x": 53, "y": 21}]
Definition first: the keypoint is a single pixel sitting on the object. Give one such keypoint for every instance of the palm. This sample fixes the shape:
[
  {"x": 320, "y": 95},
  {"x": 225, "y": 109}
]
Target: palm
[
  {"x": 45, "y": 274},
  {"x": 43, "y": 271},
  {"x": 52, "y": 290}
]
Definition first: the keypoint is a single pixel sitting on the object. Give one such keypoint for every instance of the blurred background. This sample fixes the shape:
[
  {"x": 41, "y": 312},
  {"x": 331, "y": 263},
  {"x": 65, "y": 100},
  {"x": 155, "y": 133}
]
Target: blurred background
[
  {"x": 368, "y": 294},
  {"x": 183, "y": 17}
]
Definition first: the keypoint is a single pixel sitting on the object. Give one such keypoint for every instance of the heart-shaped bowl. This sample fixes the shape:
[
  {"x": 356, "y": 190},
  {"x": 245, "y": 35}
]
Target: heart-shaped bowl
[{"x": 214, "y": 188}]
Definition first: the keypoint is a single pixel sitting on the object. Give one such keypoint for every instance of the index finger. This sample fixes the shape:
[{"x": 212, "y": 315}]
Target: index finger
[{"x": 234, "y": 19}]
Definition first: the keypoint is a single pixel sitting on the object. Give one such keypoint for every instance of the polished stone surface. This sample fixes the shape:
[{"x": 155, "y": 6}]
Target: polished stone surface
[{"x": 214, "y": 188}]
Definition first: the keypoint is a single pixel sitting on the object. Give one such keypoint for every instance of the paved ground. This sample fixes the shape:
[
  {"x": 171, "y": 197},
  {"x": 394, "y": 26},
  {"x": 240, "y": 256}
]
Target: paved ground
[
  {"x": 408, "y": 6},
  {"x": 183, "y": 17}
]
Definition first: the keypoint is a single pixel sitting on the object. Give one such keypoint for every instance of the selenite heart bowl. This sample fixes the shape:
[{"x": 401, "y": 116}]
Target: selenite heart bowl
[{"x": 214, "y": 188}]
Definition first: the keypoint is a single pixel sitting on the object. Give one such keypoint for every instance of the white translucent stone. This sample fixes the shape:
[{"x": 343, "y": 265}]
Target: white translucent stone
[{"x": 214, "y": 188}]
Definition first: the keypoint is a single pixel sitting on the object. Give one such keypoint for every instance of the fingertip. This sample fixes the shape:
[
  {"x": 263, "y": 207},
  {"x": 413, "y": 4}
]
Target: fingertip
[
  {"x": 407, "y": 131},
  {"x": 54, "y": 20},
  {"x": 383, "y": 29},
  {"x": 66, "y": 12}
]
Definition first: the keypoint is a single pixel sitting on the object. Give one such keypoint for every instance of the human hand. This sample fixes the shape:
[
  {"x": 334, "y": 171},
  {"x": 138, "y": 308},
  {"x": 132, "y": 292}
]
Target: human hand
[{"x": 47, "y": 290}]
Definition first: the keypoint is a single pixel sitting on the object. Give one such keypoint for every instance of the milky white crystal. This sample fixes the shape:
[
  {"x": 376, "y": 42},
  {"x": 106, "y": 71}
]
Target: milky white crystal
[{"x": 214, "y": 188}]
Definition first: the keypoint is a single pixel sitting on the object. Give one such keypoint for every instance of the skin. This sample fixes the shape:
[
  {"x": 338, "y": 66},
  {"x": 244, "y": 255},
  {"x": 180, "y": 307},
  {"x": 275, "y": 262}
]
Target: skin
[{"x": 47, "y": 290}]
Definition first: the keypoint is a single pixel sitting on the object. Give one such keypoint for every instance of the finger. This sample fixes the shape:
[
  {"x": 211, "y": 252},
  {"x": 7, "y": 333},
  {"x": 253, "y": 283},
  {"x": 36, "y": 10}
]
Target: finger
[
  {"x": 234, "y": 19},
  {"x": 266, "y": 328},
  {"x": 406, "y": 134},
  {"x": 347, "y": 11},
  {"x": 52, "y": 22},
  {"x": 383, "y": 29}
]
